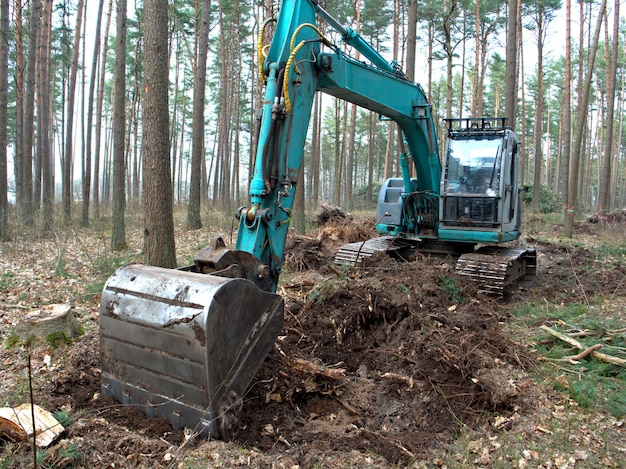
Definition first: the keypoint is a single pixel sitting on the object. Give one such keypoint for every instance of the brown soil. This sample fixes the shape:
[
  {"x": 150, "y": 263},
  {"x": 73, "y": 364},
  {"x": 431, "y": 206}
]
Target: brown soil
[{"x": 400, "y": 357}]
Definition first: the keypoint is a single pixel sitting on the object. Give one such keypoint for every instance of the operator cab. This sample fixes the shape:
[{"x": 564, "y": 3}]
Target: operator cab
[{"x": 479, "y": 190}]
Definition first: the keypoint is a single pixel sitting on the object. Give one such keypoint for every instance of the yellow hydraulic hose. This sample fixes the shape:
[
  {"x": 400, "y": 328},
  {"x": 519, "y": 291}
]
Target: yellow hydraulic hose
[
  {"x": 260, "y": 47},
  {"x": 292, "y": 56}
]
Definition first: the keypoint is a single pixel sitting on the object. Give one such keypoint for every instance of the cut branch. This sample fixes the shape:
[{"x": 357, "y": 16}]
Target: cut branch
[{"x": 573, "y": 342}]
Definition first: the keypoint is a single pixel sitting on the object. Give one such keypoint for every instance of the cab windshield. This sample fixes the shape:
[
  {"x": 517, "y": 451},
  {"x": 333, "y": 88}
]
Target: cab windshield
[{"x": 472, "y": 166}]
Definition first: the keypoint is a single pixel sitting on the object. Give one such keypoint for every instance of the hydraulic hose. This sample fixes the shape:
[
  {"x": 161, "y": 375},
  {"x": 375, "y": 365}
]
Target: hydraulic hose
[{"x": 268, "y": 155}]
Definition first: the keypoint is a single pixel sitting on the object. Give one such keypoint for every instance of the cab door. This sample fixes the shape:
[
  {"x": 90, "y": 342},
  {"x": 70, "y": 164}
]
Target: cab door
[{"x": 510, "y": 194}]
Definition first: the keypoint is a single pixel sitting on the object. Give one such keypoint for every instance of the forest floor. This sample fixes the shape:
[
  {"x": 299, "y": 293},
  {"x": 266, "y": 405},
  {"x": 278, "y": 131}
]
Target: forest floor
[{"x": 406, "y": 364}]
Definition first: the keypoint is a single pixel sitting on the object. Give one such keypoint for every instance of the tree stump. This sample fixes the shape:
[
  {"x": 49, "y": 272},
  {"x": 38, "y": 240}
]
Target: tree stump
[{"x": 49, "y": 323}]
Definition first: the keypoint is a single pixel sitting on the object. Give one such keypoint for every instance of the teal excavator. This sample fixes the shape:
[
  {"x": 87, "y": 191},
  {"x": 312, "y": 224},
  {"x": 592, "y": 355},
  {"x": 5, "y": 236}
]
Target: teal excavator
[{"x": 184, "y": 345}]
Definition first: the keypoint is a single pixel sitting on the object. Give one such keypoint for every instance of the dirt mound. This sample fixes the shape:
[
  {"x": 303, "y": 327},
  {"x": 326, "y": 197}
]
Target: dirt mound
[{"x": 392, "y": 358}]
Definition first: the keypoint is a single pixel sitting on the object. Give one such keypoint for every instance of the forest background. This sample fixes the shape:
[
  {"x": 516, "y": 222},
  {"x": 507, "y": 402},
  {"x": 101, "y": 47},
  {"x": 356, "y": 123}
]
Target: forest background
[{"x": 72, "y": 147}]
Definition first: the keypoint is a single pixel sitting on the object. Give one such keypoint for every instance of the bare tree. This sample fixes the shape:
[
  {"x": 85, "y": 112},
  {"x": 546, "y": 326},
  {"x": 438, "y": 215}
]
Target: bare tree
[
  {"x": 69, "y": 134},
  {"x": 99, "y": 106},
  {"x": 118, "y": 231},
  {"x": 580, "y": 127},
  {"x": 194, "y": 220},
  {"x": 29, "y": 114},
  {"x": 605, "y": 180},
  {"x": 86, "y": 186},
  {"x": 44, "y": 146},
  {"x": 159, "y": 231},
  {"x": 510, "y": 86},
  {"x": 567, "y": 108}
]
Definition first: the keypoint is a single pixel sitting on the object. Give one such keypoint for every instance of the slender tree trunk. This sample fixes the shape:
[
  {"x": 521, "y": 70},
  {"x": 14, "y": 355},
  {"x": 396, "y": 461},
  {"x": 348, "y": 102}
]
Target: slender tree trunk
[
  {"x": 582, "y": 112},
  {"x": 18, "y": 167},
  {"x": 118, "y": 232},
  {"x": 605, "y": 182},
  {"x": 411, "y": 34},
  {"x": 338, "y": 154},
  {"x": 29, "y": 113},
  {"x": 86, "y": 186},
  {"x": 69, "y": 133},
  {"x": 99, "y": 111},
  {"x": 567, "y": 111},
  {"x": 538, "y": 132},
  {"x": 510, "y": 87},
  {"x": 4, "y": 88},
  {"x": 194, "y": 220},
  {"x": 43, "y": 125},
  {"x": 315, "y": 165},
  {"x": 159, "y": 232}
]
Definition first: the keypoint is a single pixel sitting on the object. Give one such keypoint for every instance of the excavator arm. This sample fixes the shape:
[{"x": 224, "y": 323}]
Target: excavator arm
[{"x": 299, "y": 61}]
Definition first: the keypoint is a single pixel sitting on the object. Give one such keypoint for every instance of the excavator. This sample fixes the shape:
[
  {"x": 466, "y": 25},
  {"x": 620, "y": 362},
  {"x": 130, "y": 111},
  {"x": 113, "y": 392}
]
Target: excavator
[{"x": 185, "y": 344}]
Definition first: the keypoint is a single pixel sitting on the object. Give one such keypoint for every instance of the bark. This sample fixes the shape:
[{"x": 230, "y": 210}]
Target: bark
[
  {"x": 118, "y": 231},
  {"x": 159, "y": 232},
  {"x": 197, "y": 125},
  {"x": 69, "y": 134}
]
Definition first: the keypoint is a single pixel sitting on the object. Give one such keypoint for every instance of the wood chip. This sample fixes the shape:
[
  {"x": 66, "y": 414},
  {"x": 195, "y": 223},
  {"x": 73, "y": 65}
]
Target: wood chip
[{"x": 17, "y": 424}]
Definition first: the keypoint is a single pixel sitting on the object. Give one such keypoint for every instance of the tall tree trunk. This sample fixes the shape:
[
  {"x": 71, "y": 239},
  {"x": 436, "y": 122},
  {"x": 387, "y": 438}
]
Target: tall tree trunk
[
  {"x": 567, "y": 110},
  {"x": 411, "y": 34},
  {"x": 99, "y": 106},
  {"x": 43, "y": 123},
  {"x": 86, "y": 186},
  {"x": 18, "y": 166},
  {"x": 118, "y": 231},
  {"x": 510, "y": 87},
  {"x": 4, "y": 88},
  {"x": 159, "y": 232},
  {"x": 338, "y": 154},
  {"x": 315, "y": 164},
  {"x": 605, "y": 181},
  {"x": 69, "y": 134},
  {"x": 582, "y": 112},
  {"x": 29, "y": 113},
  {"x": 538, "y": 132},
  {"x": 194, "y": 221}
]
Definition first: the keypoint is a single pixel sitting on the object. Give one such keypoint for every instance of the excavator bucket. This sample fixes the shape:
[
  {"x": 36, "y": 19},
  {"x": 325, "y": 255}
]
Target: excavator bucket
[{"x": 185, "y": 346}]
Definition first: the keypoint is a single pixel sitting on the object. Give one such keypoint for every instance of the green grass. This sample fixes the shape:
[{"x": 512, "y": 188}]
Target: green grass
[
  {"x": 7, "y": 280},
  {"x": 593, "y": 384}
]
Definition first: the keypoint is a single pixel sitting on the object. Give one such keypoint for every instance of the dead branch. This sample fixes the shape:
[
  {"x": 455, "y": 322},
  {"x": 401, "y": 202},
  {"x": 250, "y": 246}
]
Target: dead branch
[
  {"x": 573, "y": 342},
  {"x": 408, "y": 380},
  {"x": 575, "y": 358},
  {"x": 306, "y": 366}
]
